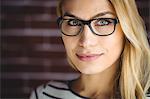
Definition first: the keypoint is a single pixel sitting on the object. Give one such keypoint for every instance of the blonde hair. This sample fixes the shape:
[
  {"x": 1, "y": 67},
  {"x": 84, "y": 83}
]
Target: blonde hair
[
  {"x": 135, "y": 74},
  {"x": 134, "y": 78}
]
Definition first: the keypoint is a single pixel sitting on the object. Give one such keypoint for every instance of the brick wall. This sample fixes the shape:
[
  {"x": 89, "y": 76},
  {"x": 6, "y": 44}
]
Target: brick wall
[{"x": 31, "y": 47}]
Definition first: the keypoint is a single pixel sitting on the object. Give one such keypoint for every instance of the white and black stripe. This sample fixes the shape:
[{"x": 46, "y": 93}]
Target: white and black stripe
[
  {"x": 55, "y": 90},
  {"x": 61, "y": 90}
]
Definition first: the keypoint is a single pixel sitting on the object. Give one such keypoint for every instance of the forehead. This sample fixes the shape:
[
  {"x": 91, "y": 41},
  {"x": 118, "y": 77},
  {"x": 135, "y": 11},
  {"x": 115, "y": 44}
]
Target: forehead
[{"x": 87, "y": 8}]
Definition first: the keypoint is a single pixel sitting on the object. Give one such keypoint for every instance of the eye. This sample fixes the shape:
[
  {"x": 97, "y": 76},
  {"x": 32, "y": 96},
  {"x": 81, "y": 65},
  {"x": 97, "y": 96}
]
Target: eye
[
  {"x": 103, "y": 22},
  {"x": 74, "y": 22}
]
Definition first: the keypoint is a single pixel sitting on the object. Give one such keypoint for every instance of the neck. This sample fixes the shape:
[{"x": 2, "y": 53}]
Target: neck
[{"x": 96, "y": 85}]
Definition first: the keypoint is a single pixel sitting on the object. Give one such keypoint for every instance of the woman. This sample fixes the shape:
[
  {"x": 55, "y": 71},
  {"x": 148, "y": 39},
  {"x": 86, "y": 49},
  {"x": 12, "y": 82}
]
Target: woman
[{"x": 106, "y": 42}]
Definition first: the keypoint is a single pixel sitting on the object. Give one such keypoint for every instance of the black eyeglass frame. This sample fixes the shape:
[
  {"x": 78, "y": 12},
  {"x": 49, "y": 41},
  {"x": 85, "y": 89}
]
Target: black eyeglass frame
[{"x": 86, "y": 22}]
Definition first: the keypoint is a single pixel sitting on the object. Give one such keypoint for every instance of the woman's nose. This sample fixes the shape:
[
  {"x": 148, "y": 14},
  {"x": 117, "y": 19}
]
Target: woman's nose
[{"x": 87, "y": 38}]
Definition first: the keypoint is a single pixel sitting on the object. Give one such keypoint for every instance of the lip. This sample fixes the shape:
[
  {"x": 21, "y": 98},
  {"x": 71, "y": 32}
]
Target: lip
[{"x": 88, "y": 57}]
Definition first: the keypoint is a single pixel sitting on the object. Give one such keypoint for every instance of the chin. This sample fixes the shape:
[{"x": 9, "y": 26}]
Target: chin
[{"x": 90, "y": 71}]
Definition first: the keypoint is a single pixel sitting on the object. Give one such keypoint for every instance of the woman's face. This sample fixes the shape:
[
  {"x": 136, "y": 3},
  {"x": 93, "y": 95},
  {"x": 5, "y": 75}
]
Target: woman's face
[{"x": 91, "y": 53}]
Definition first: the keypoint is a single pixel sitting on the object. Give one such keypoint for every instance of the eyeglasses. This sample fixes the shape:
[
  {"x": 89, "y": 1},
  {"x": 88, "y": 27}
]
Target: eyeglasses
[{"x": 98, "y": 26}]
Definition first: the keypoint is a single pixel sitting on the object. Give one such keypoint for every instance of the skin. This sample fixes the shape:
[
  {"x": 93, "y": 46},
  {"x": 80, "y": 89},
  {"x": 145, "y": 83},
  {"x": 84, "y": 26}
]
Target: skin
[{"x": 97, "y": 74}]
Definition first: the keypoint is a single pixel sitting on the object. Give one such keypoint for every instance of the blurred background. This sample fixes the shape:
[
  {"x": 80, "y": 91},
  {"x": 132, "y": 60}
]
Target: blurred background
[{"x": 31, "y": 47}]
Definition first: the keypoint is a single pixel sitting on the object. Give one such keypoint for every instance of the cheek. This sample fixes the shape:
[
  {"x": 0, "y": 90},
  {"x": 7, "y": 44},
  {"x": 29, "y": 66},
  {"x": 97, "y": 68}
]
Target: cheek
[
  {"x": 113, "y": 47},
  {"x": 115, "y": 44},
  {"x": 69, "y": 43}
]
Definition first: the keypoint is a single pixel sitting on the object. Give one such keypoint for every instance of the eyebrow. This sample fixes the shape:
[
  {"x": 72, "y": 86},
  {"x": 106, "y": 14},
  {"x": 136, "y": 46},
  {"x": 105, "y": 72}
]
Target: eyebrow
[{"x": 97, "y": 15}]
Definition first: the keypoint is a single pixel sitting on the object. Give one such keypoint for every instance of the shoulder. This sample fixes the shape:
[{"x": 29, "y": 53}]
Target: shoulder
[
  {"x": 49, "y": 90},
  {"x": 58, "y": 85},
  {"x": 53, "y": 90},
  {"x": 148, "y": 95}
]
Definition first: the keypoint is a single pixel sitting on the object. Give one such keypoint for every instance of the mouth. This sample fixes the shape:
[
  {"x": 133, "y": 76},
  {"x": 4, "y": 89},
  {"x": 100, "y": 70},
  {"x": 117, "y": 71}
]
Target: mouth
[{"x": 89, "y": 57}]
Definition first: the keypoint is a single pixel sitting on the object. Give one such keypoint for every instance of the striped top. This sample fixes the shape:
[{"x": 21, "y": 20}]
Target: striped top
[
  {"x": 55, "y": 90},
  {"x": 60, "y": 90}
]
